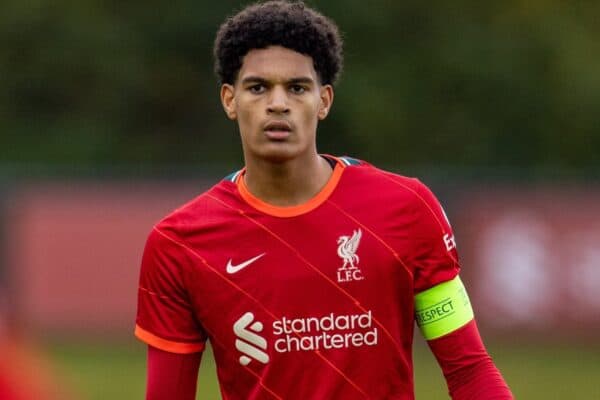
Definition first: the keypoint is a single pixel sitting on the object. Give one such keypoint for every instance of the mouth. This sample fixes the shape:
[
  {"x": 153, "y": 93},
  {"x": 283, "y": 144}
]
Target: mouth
[{"x": 278, "y": 130}]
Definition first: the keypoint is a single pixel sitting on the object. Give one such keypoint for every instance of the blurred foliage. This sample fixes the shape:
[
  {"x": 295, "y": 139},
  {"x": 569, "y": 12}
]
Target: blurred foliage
[{"x": 463, "y": 83}]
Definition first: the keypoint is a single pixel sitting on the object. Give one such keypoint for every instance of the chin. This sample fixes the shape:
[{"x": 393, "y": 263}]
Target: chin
[{"x": 278, "y": 153}]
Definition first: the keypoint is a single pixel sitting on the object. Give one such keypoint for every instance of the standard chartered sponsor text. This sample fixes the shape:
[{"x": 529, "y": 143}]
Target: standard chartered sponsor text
[{"x": 327, "y": 332}]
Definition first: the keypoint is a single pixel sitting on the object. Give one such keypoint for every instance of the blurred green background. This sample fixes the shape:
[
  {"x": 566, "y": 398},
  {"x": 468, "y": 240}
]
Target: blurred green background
[
  {"x": 533, "y": 371},
  {"x": 467, "y": 91},
  {"x": 466, "y": 84}
]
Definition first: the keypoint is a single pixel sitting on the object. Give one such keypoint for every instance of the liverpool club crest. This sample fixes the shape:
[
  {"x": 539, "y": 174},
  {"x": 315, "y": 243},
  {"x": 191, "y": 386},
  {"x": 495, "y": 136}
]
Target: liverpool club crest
[{"x": 347, "y": 247}]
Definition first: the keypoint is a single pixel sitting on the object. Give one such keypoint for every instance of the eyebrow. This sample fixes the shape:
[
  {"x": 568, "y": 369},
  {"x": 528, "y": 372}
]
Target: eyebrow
[{"x": 296, "y": 80}]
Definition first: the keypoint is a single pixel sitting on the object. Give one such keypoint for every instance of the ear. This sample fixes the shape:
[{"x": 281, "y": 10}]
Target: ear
[
  {"x": 326, "y": 95},
  {"x": 228, "y": 100}
]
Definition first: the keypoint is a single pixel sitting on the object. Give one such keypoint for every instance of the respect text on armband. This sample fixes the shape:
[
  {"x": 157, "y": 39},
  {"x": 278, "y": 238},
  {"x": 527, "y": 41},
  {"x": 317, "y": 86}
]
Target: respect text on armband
[{"x": 436, "y": 312}]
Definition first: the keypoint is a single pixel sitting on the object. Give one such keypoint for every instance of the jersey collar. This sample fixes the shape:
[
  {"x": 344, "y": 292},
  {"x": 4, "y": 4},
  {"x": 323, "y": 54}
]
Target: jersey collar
[{"x": 292, "y": 211}]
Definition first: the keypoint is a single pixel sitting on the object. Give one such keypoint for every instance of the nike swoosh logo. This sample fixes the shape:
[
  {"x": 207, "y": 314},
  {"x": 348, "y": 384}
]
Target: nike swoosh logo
[{"x": 232, "y": 269}]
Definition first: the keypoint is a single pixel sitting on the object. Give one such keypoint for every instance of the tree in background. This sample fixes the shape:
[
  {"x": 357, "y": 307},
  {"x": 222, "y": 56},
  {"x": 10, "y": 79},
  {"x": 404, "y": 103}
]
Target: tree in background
[{"x": 512, "y": 84}]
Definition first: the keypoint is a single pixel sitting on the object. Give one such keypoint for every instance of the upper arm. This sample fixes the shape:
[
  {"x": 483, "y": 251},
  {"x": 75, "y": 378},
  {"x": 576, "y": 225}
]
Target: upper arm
[
  {"x": 441, "y": 301},
  {"x": 434, "y": 254},
  {"x": 165, "y": 316}
]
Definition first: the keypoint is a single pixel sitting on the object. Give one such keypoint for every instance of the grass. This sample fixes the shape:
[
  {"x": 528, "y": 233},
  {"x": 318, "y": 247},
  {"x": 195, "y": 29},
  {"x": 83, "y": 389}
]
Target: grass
[{"x": 117, "y": 371}]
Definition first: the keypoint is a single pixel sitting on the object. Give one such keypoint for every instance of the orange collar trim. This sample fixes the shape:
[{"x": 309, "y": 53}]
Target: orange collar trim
[{"x": 292, "y": 211}]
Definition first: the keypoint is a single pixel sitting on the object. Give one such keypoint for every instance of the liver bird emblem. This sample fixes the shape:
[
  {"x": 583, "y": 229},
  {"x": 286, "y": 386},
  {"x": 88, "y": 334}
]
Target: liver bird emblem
[{"x": 347, "y": 249}]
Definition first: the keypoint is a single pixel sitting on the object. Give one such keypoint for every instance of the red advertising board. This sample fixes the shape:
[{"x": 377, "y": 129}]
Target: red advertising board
[
  {"x": 532, "y": 258},
  {"x": 75, "y": 249}
]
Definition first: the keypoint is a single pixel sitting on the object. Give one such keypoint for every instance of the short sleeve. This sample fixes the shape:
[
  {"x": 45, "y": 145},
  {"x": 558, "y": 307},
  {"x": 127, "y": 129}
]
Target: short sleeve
[
  {"x": 434, "y": 254},
  {"x": 165, "y": 316}
]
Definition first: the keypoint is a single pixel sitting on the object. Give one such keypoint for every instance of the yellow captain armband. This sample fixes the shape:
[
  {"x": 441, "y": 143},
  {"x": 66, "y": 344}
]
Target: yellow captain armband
[{"x": 442, "y": 309}]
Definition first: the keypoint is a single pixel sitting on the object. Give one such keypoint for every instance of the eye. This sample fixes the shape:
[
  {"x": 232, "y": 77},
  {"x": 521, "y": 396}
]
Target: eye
[
  {"x": 297, "y": 89},
  {"x": 257, "y": 89}
]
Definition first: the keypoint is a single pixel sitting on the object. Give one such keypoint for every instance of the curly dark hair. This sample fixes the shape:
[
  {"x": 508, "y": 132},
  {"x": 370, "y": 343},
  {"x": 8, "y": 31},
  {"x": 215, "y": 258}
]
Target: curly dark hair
[{"x": 292, "y": 25}]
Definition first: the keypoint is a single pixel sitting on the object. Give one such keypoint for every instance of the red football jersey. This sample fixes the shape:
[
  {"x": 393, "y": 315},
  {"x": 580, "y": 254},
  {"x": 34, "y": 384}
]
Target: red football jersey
[{"x": 306, "y": 302}]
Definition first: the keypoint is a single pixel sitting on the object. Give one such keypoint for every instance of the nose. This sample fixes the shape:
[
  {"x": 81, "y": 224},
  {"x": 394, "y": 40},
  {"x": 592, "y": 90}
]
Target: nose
[{"x": 278, "y": 101}]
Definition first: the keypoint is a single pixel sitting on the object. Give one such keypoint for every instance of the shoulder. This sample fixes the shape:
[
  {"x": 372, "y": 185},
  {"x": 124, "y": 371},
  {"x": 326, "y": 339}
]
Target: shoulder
[
  {"x": 370, "y": 177},
  {"x": 405, "y": 196}
]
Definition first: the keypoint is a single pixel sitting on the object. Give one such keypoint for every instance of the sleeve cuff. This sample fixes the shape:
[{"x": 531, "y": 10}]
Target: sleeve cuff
[{"x": 167, "y": 345}]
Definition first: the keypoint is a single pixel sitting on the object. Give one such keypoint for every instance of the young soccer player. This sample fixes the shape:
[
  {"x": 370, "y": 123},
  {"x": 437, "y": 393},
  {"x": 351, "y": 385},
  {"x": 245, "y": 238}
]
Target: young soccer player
[{"x": 305, "y": 271}]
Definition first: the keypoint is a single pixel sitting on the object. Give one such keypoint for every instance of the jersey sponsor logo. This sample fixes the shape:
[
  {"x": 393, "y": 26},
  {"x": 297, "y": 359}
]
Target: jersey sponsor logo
[
  {"x": 347, "y": 247},
  {"x": 327, "y": 332},
  {"x": 232, "y": 269},
  {"x": 248, "y": 341},
  {"x": 449, "y": 241}
]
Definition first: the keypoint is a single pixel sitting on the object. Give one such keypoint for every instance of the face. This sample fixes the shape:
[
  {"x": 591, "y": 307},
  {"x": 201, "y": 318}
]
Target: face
[{"x": 277, "y": 101}]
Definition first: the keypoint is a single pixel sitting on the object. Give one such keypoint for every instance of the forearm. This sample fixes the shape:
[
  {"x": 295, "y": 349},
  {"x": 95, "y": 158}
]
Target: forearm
[
  {"x": 171, "y": 376},
  {"x": 469, "y": 370}
]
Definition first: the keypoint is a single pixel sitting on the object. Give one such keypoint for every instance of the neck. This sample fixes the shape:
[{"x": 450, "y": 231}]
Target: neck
[{"x": 288, "y": 183}]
